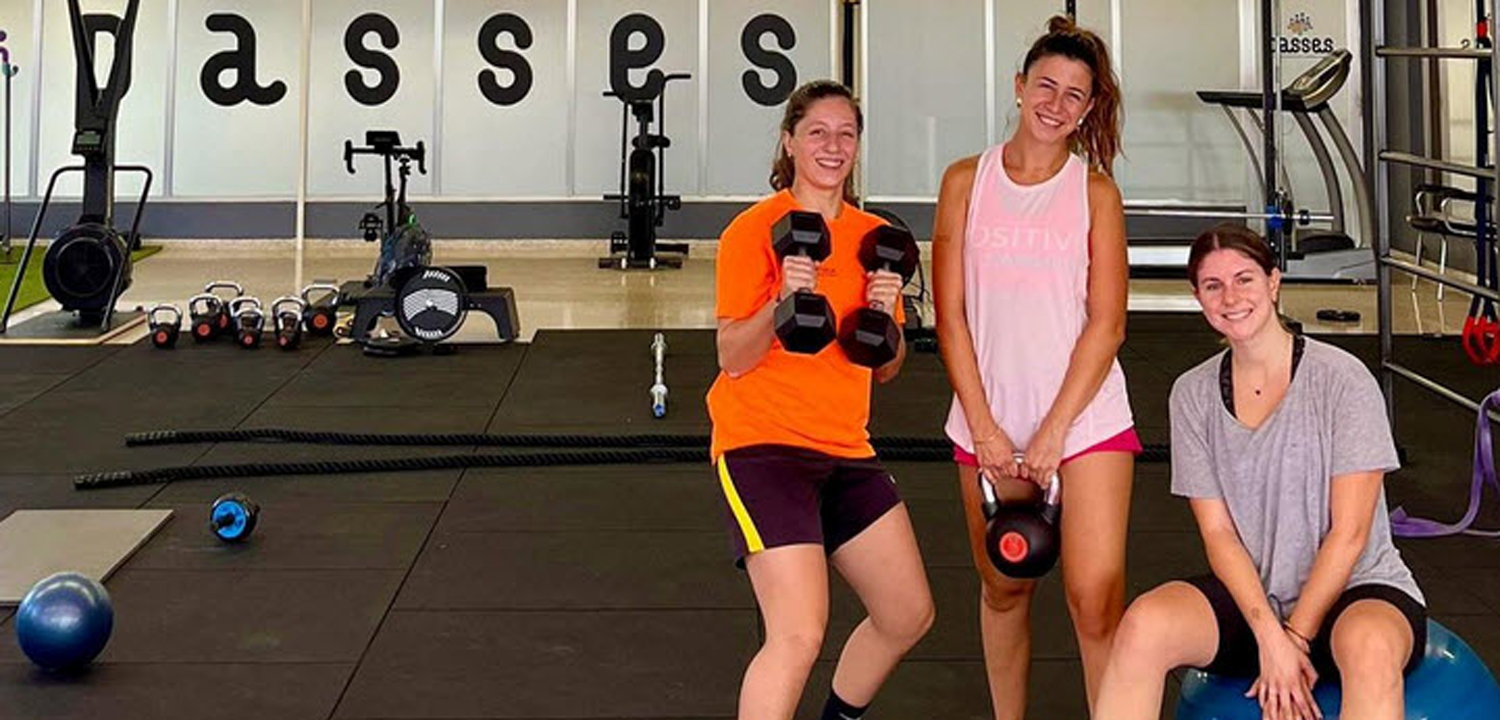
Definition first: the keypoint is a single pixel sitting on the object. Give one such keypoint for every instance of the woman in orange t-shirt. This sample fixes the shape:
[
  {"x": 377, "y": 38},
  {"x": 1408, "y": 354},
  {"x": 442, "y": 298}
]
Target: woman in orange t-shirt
[{"x": 802, "y": 486}]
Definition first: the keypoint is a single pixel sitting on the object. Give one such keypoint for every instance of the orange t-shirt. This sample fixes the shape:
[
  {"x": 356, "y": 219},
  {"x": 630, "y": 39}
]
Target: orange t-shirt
[{"x": 820, "y": 402}]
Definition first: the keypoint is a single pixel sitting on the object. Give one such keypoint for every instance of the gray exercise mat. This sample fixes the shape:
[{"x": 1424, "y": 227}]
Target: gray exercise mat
[{"x": 38, "y": 543}]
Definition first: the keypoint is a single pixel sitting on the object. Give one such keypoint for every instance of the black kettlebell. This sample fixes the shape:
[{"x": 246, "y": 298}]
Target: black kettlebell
[
  {"x": 249, "y": 321},
  {"x": 286, "y": 321},
  {"x": 164, "y": 332},
  {"x": 223, "y": 321},
  {"x": 320, "y": 316},
  {"x": 203, "y": 314},
  {"x": 1022, "y": 540},
  {"x": 232, "y": 517}
]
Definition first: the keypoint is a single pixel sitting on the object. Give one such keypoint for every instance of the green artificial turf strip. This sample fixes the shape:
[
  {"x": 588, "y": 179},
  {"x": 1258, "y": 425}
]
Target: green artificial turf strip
[{"x": 33, "y": 290}]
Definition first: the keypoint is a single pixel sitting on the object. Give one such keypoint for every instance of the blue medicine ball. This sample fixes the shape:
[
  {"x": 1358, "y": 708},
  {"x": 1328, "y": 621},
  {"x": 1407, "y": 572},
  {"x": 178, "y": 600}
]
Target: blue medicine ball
[
  {"x": 1451, "y": 683},
  {"x": 64, "y": 621}
]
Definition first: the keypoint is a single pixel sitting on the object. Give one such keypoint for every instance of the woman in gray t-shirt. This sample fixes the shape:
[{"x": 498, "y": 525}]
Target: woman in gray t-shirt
[{"x": 1281, "y": 444}]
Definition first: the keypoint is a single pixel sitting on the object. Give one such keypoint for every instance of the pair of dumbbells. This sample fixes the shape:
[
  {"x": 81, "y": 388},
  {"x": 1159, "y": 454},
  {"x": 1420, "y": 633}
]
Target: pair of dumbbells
[{"x": 804, "y": 321}]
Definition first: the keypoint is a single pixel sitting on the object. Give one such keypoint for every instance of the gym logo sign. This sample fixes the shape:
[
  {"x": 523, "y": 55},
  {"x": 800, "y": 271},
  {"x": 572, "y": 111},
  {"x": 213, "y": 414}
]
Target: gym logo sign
[{"x": 1301, "y": 40}]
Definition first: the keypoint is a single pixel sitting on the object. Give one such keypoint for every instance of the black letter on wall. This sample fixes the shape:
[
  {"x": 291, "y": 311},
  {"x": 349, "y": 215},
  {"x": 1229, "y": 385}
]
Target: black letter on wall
[
  {"x": 515, "y": 62},
  {"x": 622, "y": 59},
  {"x": 241, "y": 60},
  {"x": 786, "y": 72},
  {"x": 390, "y": 74}
]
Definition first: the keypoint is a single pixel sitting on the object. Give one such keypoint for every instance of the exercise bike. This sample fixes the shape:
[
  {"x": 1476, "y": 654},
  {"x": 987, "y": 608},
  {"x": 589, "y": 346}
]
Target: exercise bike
[
  {"x": 428, "y": 302},
  {"x": 642, "y": 196},
  {"x": 87, "y": 267},
  {"x": 404, "y": 243}
]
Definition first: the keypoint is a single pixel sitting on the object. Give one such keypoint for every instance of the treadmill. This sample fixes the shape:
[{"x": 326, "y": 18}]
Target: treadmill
[{"x": 1315, "y": 255}]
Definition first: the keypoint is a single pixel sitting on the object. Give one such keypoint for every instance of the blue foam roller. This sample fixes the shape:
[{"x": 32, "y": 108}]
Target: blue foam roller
[{"x": 1451, "y": 683}]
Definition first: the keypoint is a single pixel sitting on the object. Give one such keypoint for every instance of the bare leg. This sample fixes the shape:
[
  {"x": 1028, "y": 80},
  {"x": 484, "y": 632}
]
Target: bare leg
[
  {"x": 884, "y": 567},
  {"x": 1096, "y": 509},
  {"x": 1169, "y": 627},
  {"x": 791, "y": 586},
  {"x": 1371, "y": 642},
  {"x": 1004, "y": 604}
]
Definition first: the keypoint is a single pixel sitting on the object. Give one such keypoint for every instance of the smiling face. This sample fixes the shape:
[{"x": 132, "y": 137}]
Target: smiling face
[
  {"x": 1237, "y": 295},
  {"x": 1056, "y": 93},
  {"x": 824, "y": 144}
]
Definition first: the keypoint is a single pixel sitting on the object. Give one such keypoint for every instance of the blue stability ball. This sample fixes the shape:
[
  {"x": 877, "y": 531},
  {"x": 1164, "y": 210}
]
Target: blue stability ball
[
  {"x": 1451, "y": 683},
  {"x": 64, "y": 621}
]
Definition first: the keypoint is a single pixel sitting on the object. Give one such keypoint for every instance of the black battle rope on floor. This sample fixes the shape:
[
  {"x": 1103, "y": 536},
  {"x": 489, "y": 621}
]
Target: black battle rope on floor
[
  {"x": 884, "y": 445},
  {"x": 314, "y": 437},
  {"x": 447, "y": 462},
  {"x": 318, "y": 437},
  {"x": 694, "y": 449}
]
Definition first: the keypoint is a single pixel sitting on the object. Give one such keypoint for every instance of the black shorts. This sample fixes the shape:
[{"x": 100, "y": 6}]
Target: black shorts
[
  {"x": 777, "y": 495},
  {"x": 1239, "y": 654}
]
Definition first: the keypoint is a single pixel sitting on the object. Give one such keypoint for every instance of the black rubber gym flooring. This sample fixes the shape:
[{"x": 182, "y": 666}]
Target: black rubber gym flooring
[{"x": 567, "y": 592}]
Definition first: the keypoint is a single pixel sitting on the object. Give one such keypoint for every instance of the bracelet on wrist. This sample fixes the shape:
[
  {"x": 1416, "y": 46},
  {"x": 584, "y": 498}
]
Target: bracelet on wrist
[{"x": 1295, "y": 633}]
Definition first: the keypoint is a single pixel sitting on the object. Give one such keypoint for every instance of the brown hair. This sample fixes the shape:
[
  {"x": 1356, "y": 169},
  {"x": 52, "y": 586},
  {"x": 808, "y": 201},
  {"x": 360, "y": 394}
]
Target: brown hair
[
  {"x": 1098, "y": 139},
  {"x": 783, "y": 168},
  {"x": 1230, "y": 237}
]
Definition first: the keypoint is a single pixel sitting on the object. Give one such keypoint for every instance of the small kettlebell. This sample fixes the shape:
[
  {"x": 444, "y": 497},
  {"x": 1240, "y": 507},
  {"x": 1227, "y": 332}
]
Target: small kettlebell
[
  {"x": 164, "y": 332},
  {"x": 223, "y": 321},
  {"x": 249, "y": 321},
  {"x": 286, "y": 321},
  {"x": 1023, "y": 540},
  {"x": 320, "y": 316}
]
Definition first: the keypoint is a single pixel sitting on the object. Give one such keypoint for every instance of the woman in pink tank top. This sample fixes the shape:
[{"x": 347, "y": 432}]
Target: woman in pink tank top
[{"x": 1031, "y": 276}]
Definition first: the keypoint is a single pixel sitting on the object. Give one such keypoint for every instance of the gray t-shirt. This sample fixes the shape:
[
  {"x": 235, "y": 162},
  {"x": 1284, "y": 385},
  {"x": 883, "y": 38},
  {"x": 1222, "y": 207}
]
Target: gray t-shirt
[{"x": 1277, "y": 479}]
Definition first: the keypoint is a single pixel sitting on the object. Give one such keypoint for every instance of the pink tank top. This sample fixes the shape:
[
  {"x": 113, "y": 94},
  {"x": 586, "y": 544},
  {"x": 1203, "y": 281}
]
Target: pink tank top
[{"x": 1026, "y": 268}]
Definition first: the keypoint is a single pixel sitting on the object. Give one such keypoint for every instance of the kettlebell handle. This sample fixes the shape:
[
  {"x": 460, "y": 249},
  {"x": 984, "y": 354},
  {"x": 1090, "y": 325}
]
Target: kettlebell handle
[
  {"x": 1051, "y": 494},
  {"x": 1052, "y": 491}
]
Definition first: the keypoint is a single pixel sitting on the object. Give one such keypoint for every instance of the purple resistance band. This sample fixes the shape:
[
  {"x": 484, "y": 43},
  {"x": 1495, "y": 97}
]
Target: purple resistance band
[{"x": 1404, "y": 525}]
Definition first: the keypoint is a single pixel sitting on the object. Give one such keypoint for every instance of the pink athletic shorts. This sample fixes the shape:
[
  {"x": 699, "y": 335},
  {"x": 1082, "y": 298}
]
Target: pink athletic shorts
[{"x": 1126, "y": 441}]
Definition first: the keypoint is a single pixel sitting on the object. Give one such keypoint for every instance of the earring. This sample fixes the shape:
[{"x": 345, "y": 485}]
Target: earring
[{"x": 1018, "y": 102}]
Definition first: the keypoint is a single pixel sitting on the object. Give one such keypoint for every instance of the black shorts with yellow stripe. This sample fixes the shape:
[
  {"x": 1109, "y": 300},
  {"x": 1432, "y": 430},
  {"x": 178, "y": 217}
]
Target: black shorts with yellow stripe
[{"x": 777, "y": 495}]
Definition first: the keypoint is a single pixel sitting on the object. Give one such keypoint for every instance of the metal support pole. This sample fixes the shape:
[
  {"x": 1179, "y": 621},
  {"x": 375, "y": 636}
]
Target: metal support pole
[
  {"x": 9, "y": 71},
  {"x": 1270, "y": 105}
]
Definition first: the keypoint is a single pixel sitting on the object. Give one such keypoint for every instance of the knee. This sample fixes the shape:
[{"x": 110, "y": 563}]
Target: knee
[
  {"x": 800, "y": 645},
  {"x": 1139, "y": 639},
  {"x": 1368, "y": 656},
  {"x": 908, "y": 625},
  {"x": 916, "y": 621},
  {"x": 1003, "y": 595},
  {"x": 1097, "y": 607}
]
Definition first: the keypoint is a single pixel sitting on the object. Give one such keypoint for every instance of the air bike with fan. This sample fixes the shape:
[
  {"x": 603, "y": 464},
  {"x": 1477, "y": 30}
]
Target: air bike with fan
[{"x": 428, "y": 302}]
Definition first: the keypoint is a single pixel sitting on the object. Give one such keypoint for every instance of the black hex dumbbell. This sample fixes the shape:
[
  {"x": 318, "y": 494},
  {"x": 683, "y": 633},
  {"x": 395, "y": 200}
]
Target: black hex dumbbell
[
  {"x": 870, "y": 335},
  {"x": 804, "y": 320}
]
